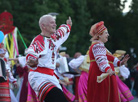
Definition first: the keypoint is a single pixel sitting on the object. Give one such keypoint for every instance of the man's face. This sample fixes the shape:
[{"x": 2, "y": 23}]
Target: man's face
[{"x": 50, "y": 25}]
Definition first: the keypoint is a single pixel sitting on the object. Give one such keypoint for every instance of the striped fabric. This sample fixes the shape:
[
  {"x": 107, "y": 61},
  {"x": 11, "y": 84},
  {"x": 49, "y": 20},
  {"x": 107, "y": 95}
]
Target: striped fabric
[
  {"x": 44, "y": 88},
  {"x": 4, "y": 92},
  {"x": 97, "y": 29},
  {"x": 101, "y": 29},
  {"x": 70, "y": 97}
]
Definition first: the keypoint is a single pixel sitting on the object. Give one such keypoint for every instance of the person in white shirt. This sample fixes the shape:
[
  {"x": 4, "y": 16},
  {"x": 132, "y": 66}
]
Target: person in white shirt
[
  {"x": 82, "y": 62},
  {"x": 41, "y": 58}
]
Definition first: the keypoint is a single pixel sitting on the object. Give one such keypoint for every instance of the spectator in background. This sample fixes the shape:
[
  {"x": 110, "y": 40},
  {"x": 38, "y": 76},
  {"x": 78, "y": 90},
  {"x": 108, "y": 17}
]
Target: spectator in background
[
  {"x": 6, "y": 94},
  {"x": 122, "y": 73},
  {"x": 74, "y": 64},
  {"x": 64, "y": 79},
  {"x": 82, "y": 62},
  {"x": 136, "y": 78}
]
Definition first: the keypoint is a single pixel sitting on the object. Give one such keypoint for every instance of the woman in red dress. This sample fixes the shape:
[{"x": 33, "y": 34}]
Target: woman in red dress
[{"x": 102, "y": 61}]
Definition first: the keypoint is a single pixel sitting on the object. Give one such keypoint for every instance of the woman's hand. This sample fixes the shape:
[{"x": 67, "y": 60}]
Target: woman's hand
[
  {"x": 110, "y": 72},
  {"x": 125, "y": 59}
]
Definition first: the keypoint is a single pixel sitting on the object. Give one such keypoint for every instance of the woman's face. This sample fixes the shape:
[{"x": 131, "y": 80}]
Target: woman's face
[{"x": 104, "y": 37}]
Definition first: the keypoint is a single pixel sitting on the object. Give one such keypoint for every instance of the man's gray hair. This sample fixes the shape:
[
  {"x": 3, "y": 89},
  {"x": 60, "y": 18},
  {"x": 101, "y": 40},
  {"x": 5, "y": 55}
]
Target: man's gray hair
[{"x": 43, "y": 19}]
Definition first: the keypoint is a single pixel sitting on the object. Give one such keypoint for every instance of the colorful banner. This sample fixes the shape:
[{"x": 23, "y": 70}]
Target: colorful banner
[
  {"x": 6, "y": 22},
  {"x": 10, "y": 34}
]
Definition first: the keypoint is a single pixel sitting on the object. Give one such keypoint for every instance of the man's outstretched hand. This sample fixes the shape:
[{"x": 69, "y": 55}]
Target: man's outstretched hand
[{"x": 69, "y": 21}]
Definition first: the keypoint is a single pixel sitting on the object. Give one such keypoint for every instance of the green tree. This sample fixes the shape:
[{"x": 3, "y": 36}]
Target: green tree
[
  {"x": 109, "y": 11},
  {"x": 131, "y": 31},
  {"x": 79, "y": 37}
]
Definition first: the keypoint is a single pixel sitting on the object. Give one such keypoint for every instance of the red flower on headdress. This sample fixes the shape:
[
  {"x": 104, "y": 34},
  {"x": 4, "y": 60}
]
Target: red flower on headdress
[{"x": 97, "y": 28}]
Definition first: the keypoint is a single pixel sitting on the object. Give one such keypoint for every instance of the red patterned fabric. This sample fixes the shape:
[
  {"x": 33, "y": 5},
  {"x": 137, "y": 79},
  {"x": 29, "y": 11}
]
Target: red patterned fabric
[
  {"x": 37, "y": 45},
  {"x": 44, "y": 70},
  {"x": 97, "y": 29},
  {"x": 6, "y": 22},
  {"x": 106, "y": 91},
  {"x": 5, "y": 92},
  {"x": 99, "y": 52},
  {"x": 45, "y": 87}
]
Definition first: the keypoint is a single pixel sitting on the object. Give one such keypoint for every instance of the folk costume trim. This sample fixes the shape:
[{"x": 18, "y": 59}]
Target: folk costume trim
[{"x": 44, "y": 88}]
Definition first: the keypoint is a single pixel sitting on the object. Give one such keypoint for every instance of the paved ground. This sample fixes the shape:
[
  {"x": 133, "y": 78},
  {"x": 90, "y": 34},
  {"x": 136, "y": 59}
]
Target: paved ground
[{"x": 135, "y": 99}]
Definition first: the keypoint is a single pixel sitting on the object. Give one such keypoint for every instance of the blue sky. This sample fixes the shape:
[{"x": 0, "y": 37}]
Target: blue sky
[{"x": 127, "y": 4}]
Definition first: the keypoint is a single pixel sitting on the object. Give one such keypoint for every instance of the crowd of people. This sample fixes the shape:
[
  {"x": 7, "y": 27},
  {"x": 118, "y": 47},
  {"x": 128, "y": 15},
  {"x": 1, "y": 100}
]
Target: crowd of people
[{"x": 47, "y": 75}]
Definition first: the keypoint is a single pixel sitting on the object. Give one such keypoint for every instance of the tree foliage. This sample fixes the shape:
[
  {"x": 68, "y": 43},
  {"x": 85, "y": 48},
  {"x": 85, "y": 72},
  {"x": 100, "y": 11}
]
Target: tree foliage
[{"x": 84, "y": 13}]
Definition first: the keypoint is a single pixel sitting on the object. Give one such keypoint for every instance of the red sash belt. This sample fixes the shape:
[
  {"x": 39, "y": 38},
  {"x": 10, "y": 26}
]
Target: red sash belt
[{"x": 44, "y": 70}]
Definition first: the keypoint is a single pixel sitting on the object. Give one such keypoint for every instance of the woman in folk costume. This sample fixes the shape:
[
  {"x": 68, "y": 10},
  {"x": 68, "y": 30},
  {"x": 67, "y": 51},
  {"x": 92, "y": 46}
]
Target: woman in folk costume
[
  {"x": 6, "y": 94},
  {"x": 83, "y": 63},
  {"x": 102, "y": 61},
  {"x": 123, "y": 72},
  {"x": 83, "y": 81},
  {"x": 74, "y": 64}
]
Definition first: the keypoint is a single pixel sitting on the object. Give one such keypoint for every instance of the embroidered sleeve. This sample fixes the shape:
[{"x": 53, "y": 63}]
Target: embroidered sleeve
[
  {"x": 61, "y": 35},
  {"x": 99, "y": 52},
  {"x": 116, "y": 62},
  {"x": 75, "y": 63},
  {"x": 34, "y": 49}
]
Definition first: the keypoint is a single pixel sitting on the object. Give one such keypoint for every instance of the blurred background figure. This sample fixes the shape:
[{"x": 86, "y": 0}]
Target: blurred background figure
[
  {"x": 135, "y": 72},
  {"x": 82, "y": 62},
  {"x": 122, "y": 73},
  {"x": 6, "y": 94},
  {"x": 75, "y": 64}
]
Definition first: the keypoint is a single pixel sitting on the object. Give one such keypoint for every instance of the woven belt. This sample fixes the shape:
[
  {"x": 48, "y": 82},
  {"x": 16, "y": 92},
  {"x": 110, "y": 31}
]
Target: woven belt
[{"x": 108, "y": 61}]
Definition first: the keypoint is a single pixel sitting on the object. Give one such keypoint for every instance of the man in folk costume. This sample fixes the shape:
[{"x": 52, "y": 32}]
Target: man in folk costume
[
  {"x": 101, "y": 62},
  {"x": 41, "y": 58},
  {"x": 6, "y": 94}
]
